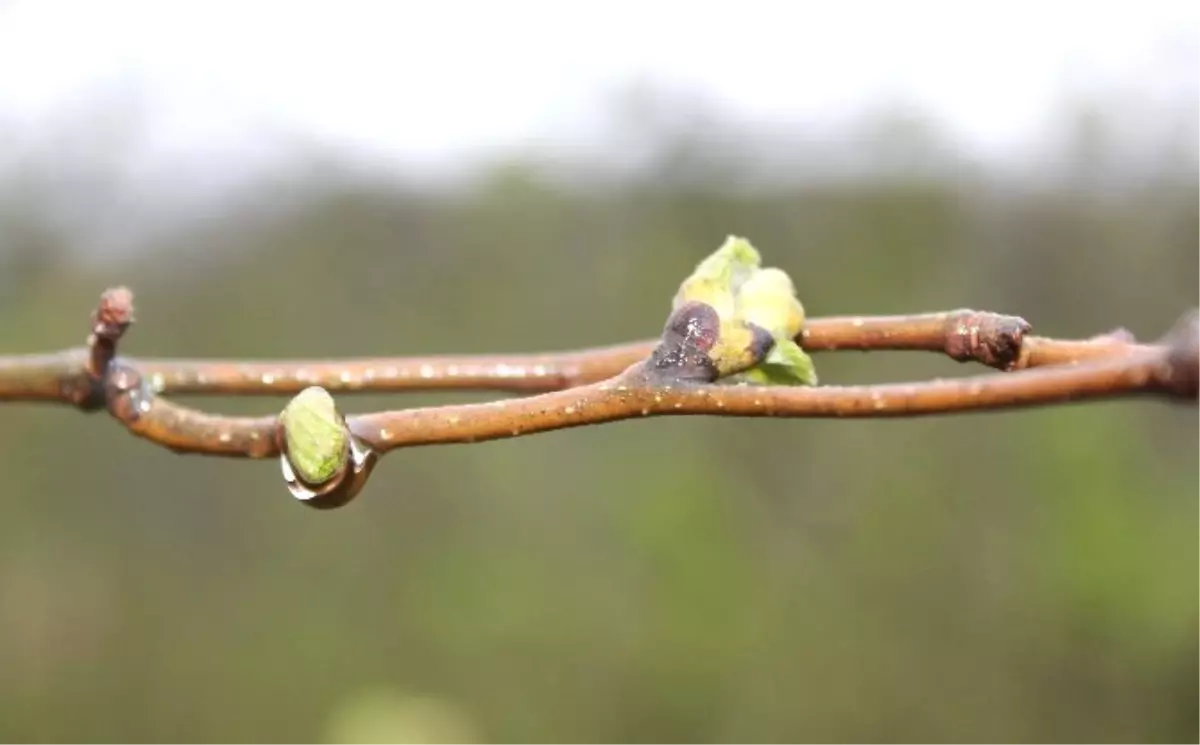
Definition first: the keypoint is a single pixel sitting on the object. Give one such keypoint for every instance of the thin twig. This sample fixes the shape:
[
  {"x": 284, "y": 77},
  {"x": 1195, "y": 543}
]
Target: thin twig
[
  {"x": 1000, "y": 341},
  {"x": 676, "y": 377},
  {"x": 1168, "y": 368},
  {"x": 630, "y": 396}
]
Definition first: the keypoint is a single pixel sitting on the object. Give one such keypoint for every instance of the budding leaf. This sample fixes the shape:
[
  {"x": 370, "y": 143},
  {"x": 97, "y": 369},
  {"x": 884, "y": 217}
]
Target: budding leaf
[
  {"x": 717, "y": 279},
  {"x": 745, "y": 295},
  {"x": 316, "y": 437},
  {"x": 768, "y": 299},
  {"x": 786, "y": 364}
]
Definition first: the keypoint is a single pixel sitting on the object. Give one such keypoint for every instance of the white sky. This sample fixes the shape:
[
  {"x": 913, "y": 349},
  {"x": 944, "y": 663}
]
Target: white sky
[{"x": 430, "y": 82}]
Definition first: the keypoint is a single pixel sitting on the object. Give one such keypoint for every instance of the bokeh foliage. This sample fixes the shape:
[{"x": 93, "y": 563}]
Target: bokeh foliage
[{"x": 1014, "y": 576}]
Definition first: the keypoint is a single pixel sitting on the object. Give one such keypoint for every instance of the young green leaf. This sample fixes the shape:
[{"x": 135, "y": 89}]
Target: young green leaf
[
  {"x": 786, "y": 364},
  {"x": 717, "y": 278}
]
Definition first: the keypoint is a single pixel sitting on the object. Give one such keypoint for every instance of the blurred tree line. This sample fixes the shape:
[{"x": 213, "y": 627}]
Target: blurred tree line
[{"x": 1015, "y": 576}]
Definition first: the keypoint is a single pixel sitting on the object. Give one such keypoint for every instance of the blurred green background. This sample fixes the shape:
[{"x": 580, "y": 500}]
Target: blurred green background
[{"x": 1008, "y": 577}]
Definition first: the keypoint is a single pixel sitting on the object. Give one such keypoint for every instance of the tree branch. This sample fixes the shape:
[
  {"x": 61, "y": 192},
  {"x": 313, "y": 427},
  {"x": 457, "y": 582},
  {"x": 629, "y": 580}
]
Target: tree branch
[
  {"x": 999, "y": 341},
  {"x": 675, "y": 376},
  {"x": 1155, "y": 369},
  {"x": 1121, "y": 369}
]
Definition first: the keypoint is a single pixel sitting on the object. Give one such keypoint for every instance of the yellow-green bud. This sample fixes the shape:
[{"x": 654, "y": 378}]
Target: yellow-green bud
[
  {"x": 768, "y": 299},
  {"x": 315, "y": 436},
  {"x": 738, "y": 347},
  {"x": 716, "y": 279},
  {"x": 759, "y": 313}
]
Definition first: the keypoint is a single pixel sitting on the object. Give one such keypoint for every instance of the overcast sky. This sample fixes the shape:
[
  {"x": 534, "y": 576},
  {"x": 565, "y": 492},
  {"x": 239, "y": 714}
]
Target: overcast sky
[{"x": 433, "y": 82}]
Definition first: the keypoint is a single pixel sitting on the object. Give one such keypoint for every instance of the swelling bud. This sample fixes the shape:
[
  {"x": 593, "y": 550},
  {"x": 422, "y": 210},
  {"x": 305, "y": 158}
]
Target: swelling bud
[
  {"x": 315, "y": 436},
  {"x": 768, "y": 299}
]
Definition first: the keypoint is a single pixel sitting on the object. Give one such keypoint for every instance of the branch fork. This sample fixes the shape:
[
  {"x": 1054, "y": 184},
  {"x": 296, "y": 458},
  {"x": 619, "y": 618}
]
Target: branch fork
[{"x": 735, "y": 344}]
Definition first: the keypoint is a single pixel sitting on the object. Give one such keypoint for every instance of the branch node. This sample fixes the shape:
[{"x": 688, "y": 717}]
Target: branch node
[
  {"x": 990, "y": 338},
  {"x": 83, "y": 391},
  {"x": 126, "y": 393}
]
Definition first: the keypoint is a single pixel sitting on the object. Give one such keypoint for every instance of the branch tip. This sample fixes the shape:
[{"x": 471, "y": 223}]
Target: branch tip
[
  {"x": 114, "y": 313},
  {"x": 111, "y": 317}
]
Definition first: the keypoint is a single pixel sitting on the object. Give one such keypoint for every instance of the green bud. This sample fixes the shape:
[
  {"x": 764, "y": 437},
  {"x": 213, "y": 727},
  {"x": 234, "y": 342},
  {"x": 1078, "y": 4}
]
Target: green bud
[
  {"x": 759, "y": 312},
  {"x": 768, "y": 299},
  {"x": 713, "y": 293},
  {"x": 730, "y": 263},
  {"x": 315, "y": 434},
  {"x": 717, "y": 279}
]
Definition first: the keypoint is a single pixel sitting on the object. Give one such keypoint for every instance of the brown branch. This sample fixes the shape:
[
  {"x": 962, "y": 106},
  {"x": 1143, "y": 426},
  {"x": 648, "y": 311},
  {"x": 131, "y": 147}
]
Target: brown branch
[
  {"x": 1159, "y": 369},
  {"x": 1000, "y": 341},
  {"x": 630, "y": 396},
  {"x": 515, "y": 373},
  {"x": 132, "y": 402},
  {"x": 1166, "y": 368},
  {"x": 674, "y": 378},
  {"x": 1169, "y": 368}
]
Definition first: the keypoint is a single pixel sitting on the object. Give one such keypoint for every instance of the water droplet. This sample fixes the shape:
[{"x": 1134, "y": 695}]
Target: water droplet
[
  {"x": 426, "y": 371},
  {"x": 385, "y": 435}
]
